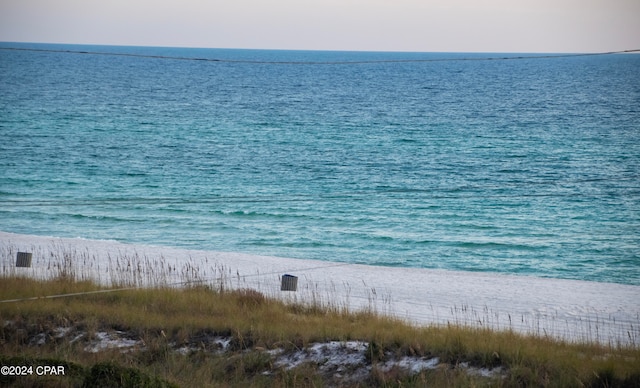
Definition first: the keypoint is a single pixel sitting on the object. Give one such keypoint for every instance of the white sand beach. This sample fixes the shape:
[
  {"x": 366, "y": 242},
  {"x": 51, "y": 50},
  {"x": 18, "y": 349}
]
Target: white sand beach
[{"x": 566, "y": 309}]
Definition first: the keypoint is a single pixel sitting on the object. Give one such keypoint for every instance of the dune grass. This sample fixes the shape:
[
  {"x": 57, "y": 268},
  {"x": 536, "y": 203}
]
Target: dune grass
[{"x": 162, "y": 316}]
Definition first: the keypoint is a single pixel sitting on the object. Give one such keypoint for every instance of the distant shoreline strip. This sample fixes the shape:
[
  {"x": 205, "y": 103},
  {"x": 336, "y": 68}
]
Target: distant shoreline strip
[{"x": 373, "y": 61}]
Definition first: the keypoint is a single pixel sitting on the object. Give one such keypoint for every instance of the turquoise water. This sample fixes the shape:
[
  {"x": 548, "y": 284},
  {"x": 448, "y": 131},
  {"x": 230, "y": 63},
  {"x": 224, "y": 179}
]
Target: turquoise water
[{"x": 527, "y": 166}]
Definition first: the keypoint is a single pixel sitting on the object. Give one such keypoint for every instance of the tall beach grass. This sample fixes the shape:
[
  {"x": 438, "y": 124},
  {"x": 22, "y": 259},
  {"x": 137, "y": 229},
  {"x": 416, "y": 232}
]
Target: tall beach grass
[{"x": 166, "y": 306}]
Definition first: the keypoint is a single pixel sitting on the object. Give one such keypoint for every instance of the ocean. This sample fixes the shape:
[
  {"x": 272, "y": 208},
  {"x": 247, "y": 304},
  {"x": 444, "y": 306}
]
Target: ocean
[{"x": 521, "y": 164}]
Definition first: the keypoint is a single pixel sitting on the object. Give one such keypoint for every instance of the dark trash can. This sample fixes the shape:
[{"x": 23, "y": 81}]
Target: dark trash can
[
  {"x": 24, "y": 259},
  {"x": 289, "y": 283}
]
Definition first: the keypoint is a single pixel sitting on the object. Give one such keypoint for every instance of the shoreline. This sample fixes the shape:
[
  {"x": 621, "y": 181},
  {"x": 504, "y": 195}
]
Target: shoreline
[{"x": 572, "y": 310}]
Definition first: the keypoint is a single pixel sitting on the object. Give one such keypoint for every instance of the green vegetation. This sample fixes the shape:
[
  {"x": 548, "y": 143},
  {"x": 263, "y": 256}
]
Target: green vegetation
[{"x": 161, "y": 320}]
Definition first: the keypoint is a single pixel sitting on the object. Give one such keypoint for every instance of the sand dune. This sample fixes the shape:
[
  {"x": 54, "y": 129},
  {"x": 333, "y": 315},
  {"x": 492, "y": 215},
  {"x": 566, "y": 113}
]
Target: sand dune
[{"x": 567, "y": 309}]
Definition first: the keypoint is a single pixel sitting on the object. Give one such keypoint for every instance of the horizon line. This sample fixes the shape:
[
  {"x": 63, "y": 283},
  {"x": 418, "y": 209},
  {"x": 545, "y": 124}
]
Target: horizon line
[
  {"x": 509, "y": 56},
  {"x": 552, "y": 52}
]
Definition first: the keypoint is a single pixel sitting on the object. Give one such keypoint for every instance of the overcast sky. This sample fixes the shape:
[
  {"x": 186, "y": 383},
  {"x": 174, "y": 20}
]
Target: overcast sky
[{"x": 379, "y": 25}]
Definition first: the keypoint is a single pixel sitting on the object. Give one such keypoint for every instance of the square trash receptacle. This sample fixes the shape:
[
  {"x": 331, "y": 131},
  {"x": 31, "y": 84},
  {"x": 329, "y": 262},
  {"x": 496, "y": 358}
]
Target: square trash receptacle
[{"x": 289, "y": 283}]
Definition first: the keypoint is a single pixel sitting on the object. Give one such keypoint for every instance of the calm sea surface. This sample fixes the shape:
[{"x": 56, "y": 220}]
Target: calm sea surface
[{"x": 525, "y": 166}]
